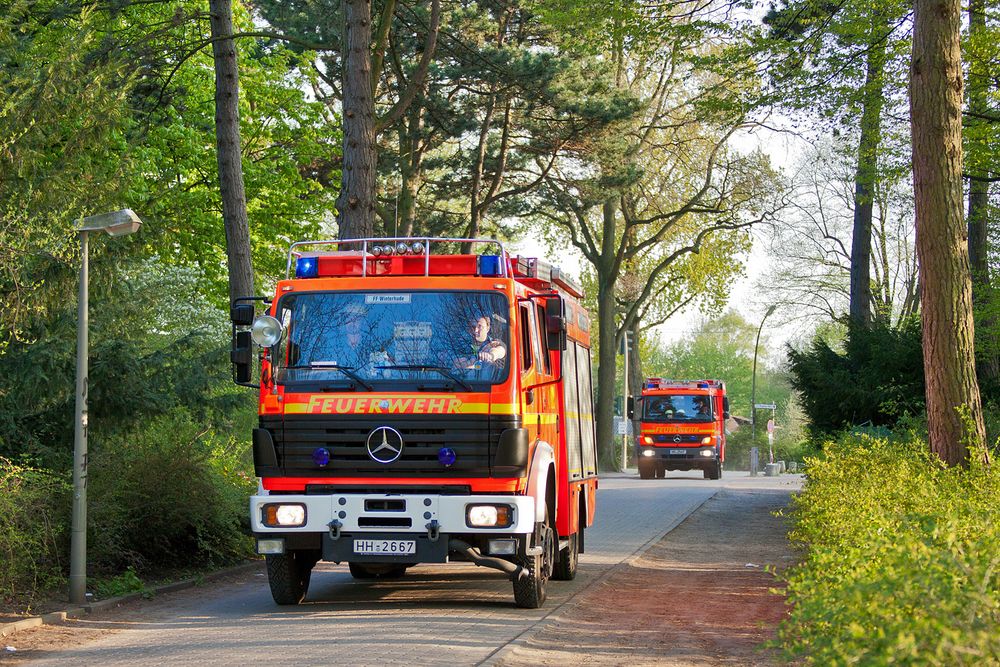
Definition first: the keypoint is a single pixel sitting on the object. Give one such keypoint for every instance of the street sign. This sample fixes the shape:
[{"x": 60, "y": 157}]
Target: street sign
[
  {"x": 765, "y": 406},
  {"x": 622, "y": 426},
  {"x": 770, "y": 426}
]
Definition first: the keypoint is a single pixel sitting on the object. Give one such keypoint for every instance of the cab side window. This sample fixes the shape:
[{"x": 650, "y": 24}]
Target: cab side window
[
  {"x": 543, "y": 341},
  {"x": 526, "y": 342}
]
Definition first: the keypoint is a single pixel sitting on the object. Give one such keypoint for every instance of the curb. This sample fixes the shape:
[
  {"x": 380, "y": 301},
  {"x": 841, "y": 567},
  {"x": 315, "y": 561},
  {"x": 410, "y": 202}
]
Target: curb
[
  {"x": 55, "y": 617},
  {"x": 574, "y": 601}
]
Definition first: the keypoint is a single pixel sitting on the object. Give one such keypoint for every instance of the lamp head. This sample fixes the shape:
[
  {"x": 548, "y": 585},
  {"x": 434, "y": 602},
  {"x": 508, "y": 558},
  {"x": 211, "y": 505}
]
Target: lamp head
[{"x": 116, "y": 223}]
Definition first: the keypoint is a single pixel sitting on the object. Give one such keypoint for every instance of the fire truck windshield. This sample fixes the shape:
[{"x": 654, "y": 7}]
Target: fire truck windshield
[
  {"x": 677, "y": 408},
  {"x": 371, "y": 340}
]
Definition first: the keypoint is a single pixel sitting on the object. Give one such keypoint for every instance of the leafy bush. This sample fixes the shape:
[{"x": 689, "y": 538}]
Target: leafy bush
[
  {"x": 34, "y": 527},
  {"x": 878, "y": 378},
  {"x": 902, "y": 560},
  {"x": 167, "y": 495}
]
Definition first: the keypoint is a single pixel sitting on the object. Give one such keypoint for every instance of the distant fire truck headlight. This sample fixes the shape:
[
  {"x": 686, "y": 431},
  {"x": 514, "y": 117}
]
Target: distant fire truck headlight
[
  {"x": 647, "y": 439},
  {"x": 266, "y": 331},
  {"x": 648, "y": 452},
  {"x": 707, "y": 440},
  {"x": 489, "y": 516},
  {"x": 708, "y": 452},
  {"x": 274, "y": 515}
]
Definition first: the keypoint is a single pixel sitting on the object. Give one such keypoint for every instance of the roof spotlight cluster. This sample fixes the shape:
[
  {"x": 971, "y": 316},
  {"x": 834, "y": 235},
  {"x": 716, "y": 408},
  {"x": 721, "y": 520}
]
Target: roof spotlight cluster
[{"x": 401, "y": 248}]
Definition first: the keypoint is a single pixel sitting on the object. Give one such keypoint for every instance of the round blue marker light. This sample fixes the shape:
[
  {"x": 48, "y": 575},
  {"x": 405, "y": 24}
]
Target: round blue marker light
[
  {"x": 446, "y": 456},
  {"x": 321, "y": 457}
]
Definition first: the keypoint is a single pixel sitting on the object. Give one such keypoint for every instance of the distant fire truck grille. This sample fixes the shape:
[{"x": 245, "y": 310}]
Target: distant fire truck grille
[
  {"x": 670, "y": 438},
  {"x": 472, "y": 438}
]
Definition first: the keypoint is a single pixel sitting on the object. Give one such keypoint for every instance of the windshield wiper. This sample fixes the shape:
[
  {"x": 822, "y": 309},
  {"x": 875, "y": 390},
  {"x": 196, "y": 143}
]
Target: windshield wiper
[
  {"x": 425, "y": 367},
  {"x": 323, "y": 365}
]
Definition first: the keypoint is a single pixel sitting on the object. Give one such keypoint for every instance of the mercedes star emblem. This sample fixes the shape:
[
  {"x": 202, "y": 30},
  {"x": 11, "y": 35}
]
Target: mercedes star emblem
[
  {"x": 384, "y": 445},
  {"x": 677, "y": 438}
]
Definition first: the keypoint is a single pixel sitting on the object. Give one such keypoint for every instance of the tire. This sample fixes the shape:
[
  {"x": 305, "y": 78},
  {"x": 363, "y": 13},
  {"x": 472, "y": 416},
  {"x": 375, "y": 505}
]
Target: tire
[
  {"x": 377, "y": 570},
  {"x": 565, "y": 569},
  {"x": 288, "y": 576},
  {"x": 646, "y": 472},
  {"x": 661, "y": 473},
  {"x": 714, "y": 471},
  {"x": 529, "y": 590}
]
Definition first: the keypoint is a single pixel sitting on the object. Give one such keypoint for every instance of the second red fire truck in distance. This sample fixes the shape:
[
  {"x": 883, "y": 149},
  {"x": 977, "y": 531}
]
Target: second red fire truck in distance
[
  {"x": 683, "y": 427},
  {"x": 418, "y": 406}
]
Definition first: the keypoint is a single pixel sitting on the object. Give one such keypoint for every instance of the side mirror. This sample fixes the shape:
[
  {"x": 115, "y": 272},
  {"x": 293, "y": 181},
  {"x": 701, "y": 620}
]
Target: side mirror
[
  {"x": 631, "y": 407},
  {"x": 241, "y": 314},
  {"x": 242, "y": 356},
  {"x": 725, "y": 407},
  {"x": 555, "y": 323}
]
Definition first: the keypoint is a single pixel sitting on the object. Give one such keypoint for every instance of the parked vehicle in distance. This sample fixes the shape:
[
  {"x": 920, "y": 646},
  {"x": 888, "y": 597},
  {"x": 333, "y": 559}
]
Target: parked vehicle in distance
[
  {"x": 682, "y": 427},
  {"x": 418, "y": 406}
]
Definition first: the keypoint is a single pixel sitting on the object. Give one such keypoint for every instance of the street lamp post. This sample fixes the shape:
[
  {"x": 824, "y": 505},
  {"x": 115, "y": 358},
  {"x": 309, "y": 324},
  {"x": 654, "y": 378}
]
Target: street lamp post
[
  {"x": 753, "y": 387},
  {"x": 117, "y": 223}
]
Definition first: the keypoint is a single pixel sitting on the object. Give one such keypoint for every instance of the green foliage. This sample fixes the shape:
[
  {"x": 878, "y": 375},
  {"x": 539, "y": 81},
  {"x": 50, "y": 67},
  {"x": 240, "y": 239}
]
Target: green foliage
[
  {"x": 902, "y": 558},
  {"x": 168, "y": 493},
  {"x": 118, "y": 585},
  {"x": 876, "y": 380},
  {"x": 34, "y": 531}
]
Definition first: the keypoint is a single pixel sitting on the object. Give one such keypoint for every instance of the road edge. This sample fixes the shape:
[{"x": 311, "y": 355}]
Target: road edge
[{"x": 55, "y": 617}]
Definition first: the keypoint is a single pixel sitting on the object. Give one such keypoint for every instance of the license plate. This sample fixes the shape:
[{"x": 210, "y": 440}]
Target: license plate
[
  {"x": 678, "y": 451},
  {"x": 385, "y": 547}
]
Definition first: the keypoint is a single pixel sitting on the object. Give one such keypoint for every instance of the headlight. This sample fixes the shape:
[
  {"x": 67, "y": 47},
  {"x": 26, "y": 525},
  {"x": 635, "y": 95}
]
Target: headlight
[
  {"x": 647, "y": 439},
  {"x": 266, "y": 331},
  {"x": 707, "y": 440},
  {"x": 708, "y": 452},
  {"x": 648, "y": 452},
  {"x": 489, "y": 516},
  {"x": 274, "y": 515}
]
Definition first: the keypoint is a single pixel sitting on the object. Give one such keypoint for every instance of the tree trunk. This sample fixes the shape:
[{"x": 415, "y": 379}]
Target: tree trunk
[
  {"x": 864, "y": 182},
  {"x": 356, "y": 203},
  {"x": 606, "y": 376},
  {"x": 954, "y": 411},
  {"x": 228, "y": 151},
  {"x": 987, "y": 345},
  {"x": 978, "y": 190},
  {"x": 410, "y": 170},
  {"x": 607, "y": 274}
]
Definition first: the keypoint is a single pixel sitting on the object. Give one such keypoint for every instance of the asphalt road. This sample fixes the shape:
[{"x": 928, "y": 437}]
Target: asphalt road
[{"x": 436, "y": 615}]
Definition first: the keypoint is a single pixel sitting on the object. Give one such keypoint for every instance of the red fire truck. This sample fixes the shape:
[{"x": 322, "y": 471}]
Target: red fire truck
[
  {"x": 683, "y": 427},
  {"x": 418, "y": 406}
]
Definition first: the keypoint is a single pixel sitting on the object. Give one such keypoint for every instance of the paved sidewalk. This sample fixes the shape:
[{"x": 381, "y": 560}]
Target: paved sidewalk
[{"x": 703, "y": 595}]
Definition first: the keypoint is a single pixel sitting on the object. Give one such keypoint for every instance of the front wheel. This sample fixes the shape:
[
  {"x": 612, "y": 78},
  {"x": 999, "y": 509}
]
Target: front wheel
[
  {"x": 529, "y": 589},
  {"x": 646, "y": 471},
  {"x": 288, "y": 576}
]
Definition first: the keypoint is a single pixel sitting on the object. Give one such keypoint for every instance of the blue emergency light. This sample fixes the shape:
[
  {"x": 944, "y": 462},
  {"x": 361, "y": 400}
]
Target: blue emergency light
[
  {"x": 447, "y": 456},
  {"x": 489, "y": 265},
  {"x": 306, "y": 267},
  {"x": 321, "y": 457}
]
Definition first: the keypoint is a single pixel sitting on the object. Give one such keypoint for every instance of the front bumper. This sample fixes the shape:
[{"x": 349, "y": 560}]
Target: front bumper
[
  {"x": 333, "y": 522},
  {"x": 680, "y": 458}
]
